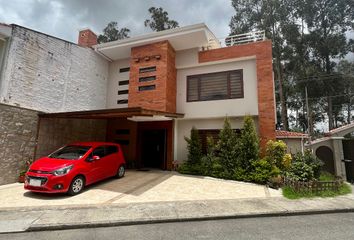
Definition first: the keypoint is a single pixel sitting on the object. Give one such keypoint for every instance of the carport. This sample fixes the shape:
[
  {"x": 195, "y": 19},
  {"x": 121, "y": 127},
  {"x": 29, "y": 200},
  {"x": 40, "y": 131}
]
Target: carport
[
  {"x": 146, "y": 136},
  {"x": 336, "y": 150}
]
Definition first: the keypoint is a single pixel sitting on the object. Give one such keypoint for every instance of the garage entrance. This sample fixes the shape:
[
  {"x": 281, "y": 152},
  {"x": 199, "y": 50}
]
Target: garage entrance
[
  {"x": 348, "y": 150},
  {"x": 146, "y": 136}
]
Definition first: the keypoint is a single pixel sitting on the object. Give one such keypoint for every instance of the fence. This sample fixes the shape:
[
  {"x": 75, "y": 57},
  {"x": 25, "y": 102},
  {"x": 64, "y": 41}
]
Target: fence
[
  {"x": 314, "y": 186},
  {"x": 254, "y": 36}
]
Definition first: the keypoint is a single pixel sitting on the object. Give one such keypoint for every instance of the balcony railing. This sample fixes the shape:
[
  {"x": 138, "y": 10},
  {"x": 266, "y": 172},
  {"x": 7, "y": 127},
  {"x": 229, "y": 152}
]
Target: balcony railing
[{"x": 237, "y": 39}]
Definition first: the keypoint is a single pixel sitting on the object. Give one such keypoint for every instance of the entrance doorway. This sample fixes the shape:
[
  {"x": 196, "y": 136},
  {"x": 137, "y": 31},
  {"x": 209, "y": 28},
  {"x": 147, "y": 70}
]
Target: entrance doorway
[
  {"x": 348, "y": 149},
  {"x": 153, "y": 148}
]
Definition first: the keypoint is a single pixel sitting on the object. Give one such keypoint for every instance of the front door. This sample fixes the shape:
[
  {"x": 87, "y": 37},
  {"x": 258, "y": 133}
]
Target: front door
[
  {"x": 153, "y": 148},
  {"x": 348, "y": 149}
]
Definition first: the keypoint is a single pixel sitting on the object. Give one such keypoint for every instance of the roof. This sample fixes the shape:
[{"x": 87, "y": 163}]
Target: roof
[
  {"x": 192, "y": 36},
  {"x": 343, "y": 130},
  {"x": 111, "y": 113},
  {"x": 288, "y": 134}
]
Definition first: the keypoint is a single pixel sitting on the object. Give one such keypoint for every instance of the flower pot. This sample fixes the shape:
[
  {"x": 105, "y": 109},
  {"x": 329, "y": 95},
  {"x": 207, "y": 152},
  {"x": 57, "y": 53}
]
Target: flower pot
[{"x": 21, "y": 179}]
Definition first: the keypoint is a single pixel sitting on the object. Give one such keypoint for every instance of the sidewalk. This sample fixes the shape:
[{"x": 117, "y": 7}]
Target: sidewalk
[{"x": 22, "y": 219}]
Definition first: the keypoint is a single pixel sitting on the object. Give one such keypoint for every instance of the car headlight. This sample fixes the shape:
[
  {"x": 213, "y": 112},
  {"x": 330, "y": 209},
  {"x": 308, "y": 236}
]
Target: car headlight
[{"x": 62, "y": 171}]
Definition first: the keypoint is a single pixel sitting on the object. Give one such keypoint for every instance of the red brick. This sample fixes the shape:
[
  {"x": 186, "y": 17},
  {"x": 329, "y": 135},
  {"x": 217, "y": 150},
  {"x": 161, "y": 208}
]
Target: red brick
[
  {"x": 87, "y": 38},
  {"x": 163, "y": 98}
]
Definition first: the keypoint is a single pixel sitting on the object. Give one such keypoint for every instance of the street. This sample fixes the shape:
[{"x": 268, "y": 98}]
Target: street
[{"x": 324, "y": 226}]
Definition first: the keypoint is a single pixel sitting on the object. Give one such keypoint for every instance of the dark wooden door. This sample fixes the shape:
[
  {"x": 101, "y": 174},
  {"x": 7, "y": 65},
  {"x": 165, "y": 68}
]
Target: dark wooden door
[
  {"x": 348, "y": 149},
  {"x": 153, "y": 148}
]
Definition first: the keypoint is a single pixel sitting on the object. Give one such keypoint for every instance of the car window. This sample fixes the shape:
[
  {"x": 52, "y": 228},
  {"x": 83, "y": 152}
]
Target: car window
[
  {"x": 70, "y": 152},
  {"x": 99, "y": 151},
  {"x": 111, "y": 150}
]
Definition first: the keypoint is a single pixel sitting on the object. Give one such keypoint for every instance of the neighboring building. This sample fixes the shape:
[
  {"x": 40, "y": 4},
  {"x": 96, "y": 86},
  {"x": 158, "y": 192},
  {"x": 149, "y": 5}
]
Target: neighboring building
[
  {"x": 144, "y": 92},
  {"x": 336, "y": 150},
  {"x": 295, "y": 141}
]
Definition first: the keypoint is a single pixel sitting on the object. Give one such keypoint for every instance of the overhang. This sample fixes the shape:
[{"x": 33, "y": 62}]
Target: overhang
[
  {"x": 112, "y": 113},
  {"x": 193, "y": 36}
]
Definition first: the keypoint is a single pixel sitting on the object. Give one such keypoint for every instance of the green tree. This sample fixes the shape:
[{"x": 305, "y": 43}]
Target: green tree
[
  {"x": 248, "y": 145},
  {"x": 194, "y": 148},
  {"x": 227, "y": 148},
  {"x": 347, "y": 69},
  {"x": 272, "y": 16},
  {"x": 327, "y": 22},
  {"x": 159, "y": 20},
  {"x": 112, "y": 33}
]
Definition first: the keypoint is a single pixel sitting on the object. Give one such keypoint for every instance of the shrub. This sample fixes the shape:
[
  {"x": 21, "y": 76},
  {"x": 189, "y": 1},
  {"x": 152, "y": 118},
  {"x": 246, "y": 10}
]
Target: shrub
[
  {"x": 276, "y": 151},
  {"x": 210, "y": 159},
  {"x": 264, "y": 170},
  {"x": 305, "y": 167},
  {"x": 194, "y": 148},
  {"x": 287, "y": 159},
  {"x": 227, "y": 148},
  {"x": 248, "y": 145}
]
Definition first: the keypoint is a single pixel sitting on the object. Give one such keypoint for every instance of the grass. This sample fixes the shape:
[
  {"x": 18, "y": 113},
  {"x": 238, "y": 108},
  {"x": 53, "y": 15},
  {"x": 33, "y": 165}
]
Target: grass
[
  {"x": 326, "y": 177},
  {"x": 290, "y": 193}
]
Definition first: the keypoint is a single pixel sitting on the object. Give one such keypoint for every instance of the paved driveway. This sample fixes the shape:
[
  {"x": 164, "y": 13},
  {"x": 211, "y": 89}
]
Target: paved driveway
[{"x": 138, "y": 186}]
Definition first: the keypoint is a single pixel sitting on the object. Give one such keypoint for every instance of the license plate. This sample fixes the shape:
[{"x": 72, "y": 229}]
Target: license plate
[{"x": 35, "y": 182}]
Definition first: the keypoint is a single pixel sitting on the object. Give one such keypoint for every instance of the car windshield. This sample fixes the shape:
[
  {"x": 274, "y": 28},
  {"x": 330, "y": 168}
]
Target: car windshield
[{"x": 71, "y": 152}]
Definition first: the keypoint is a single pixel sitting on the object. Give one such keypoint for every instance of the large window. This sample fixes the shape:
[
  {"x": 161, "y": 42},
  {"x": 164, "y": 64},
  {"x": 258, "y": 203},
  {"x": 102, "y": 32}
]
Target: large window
[{"x": 215, "y": 86}]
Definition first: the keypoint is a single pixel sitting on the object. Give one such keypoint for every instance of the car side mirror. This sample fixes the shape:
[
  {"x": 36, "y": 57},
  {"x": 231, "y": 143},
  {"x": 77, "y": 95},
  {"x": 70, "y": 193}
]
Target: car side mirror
[{"x": 92, "y": 159}]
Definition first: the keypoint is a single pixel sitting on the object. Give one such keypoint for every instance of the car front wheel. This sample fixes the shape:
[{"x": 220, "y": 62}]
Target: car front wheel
[
  {"x": 76, "y": 186},
  {"x": 120, "y": 172}
]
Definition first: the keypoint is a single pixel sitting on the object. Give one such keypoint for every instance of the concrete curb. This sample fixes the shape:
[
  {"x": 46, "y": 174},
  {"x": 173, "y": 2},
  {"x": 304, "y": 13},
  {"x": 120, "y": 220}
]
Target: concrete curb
[{"x": 36, "y": 228}]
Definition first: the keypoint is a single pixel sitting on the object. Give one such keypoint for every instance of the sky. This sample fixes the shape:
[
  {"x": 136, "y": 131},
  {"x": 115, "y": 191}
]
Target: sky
[{"x": 64, "y": 18}]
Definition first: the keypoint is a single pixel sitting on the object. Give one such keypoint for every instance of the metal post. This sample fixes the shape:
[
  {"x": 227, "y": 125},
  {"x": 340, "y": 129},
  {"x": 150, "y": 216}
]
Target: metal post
[{"x": 308, "y": 113}]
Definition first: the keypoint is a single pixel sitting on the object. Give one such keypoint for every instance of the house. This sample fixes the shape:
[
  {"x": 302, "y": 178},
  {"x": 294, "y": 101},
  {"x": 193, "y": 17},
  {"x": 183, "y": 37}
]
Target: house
[
  {"x": 336, "y": 150},
  {"x": 144, "y": 92},
  {"x": 295, "y": 141}
]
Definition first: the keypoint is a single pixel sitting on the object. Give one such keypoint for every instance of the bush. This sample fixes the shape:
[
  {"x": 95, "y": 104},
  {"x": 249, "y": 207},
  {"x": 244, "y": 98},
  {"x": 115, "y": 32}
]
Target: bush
[
  {"x": 248, "y": 145},
  {"x": 227, "y": 148},
  {"x": 194, "y": 148},
  {"x": 210, "y": 161},
  {"x": 193, "y": 169},
  {"x": 276, "y": 151},
  {"x": 264, "y": 170},
  {"x": 305, "y": 167}
]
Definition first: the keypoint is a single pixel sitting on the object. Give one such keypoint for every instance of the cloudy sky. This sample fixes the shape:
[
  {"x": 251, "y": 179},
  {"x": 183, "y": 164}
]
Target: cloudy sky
[{"x": 63, "y": 18}]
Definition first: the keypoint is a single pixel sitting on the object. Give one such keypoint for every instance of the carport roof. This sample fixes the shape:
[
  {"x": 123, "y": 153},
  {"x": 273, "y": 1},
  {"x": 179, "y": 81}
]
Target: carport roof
[{"x": 111, "y": 113}]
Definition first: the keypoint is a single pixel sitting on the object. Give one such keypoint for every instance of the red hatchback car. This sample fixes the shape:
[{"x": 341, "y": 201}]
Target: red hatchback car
[{"x": 74, "y": 166}]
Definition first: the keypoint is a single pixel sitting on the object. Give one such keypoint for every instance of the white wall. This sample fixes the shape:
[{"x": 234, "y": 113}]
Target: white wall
[
  {"x": 112, "y": 86},
  {"x": 48, "y": 74},
  {"x": 183, "y": 128},
  {"x": 220, "y": 108}
]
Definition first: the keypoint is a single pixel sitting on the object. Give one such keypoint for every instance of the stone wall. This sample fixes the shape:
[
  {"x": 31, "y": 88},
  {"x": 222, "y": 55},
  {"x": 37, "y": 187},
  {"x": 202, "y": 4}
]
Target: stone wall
[
  {"x": 56, "y": 132},
  {"x": 18, "y": 130},
  {"x": 48, "y": 74}
]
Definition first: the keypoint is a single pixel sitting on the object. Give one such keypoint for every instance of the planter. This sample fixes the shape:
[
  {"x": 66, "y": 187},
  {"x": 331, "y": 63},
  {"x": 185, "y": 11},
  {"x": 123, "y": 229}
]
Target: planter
[{"x": 21, "y": 179}]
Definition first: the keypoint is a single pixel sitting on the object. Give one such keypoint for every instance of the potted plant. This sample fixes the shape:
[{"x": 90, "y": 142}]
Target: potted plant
[{"x": 21, "y": 177}]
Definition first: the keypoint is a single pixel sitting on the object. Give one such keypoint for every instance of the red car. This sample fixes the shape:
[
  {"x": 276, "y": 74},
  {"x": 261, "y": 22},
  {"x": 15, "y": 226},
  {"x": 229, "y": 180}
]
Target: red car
[{"x": 72, "y": 167}]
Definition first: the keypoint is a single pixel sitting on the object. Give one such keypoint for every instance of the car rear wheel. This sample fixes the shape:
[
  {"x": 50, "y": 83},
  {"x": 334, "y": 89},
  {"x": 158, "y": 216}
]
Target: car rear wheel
[
  {"x": 120, "y": 171},
  {"x": 76, "y": 186}
]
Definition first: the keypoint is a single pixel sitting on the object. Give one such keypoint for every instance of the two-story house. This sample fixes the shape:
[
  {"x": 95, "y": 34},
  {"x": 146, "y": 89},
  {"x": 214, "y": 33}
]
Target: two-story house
[{"x": 144, "y": 92}]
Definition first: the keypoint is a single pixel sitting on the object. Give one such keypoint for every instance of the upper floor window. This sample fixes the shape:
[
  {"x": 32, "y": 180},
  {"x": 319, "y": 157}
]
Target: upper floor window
[
  {"x": 215, "y": 86},
  {"x": 147, "y": 69},
  {"x": 126, "y": 69}
]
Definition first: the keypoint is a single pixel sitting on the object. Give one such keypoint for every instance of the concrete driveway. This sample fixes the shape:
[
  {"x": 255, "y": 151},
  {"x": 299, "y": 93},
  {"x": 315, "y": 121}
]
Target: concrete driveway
[{"x": 137, "y": 186}]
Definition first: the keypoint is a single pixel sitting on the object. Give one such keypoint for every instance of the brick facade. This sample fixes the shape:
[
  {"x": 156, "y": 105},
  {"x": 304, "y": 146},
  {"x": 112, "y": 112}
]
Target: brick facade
[
  {"x": 163, "y": 97},
  {"x": 87, "y": 38},
  {"x": 266, "y": 102}
]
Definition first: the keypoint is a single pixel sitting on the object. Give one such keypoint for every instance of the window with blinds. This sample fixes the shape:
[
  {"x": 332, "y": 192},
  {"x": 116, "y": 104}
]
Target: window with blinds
[{"x": 215, "y": 86}]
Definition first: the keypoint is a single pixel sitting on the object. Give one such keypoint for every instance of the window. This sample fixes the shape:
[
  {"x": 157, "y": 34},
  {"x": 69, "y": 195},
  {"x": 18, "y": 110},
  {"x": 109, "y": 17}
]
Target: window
[
  {"x": 123, "y": 101},
  {"x": 122, "y": 92},
  {"x": 147, "y": 69},
  {"x": 124, "y": 82},
  {"x": 147, "y": 88},
  {"x": 99, "y": 151},
  {"x": 122, "y": 141},
  {"x": 127, "y": 69},
  {"x": 214, "y": 133},
  {"x": 122, "y": 131},
  {"x": 215, "y": 86},
  {"x": 147, "y": 79},
  {"x": 111, "y": 150}
]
